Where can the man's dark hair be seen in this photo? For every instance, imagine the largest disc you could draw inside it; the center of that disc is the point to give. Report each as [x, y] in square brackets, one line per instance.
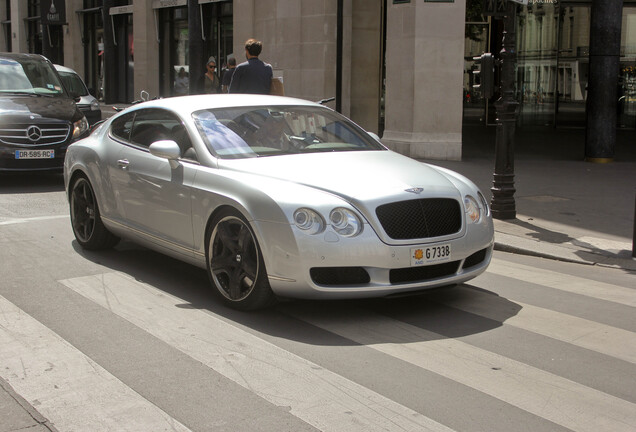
[254, 47]
[231, 61]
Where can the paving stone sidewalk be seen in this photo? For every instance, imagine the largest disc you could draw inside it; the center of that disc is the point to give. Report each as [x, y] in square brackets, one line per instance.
[567, 209]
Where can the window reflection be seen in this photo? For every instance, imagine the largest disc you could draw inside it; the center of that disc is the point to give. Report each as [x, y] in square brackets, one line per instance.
[553, 64]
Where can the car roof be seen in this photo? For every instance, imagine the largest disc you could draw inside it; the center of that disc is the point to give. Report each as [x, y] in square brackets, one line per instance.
[22, 56]
[61, 68]
[201, 102]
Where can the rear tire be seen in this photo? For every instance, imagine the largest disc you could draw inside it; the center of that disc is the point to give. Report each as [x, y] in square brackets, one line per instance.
[86, 221]
[235, 263]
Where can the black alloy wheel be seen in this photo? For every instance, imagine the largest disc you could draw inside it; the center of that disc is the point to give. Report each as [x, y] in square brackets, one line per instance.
[235, 265]
[87, 224]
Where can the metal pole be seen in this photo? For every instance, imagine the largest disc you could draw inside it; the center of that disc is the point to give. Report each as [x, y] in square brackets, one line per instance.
[339, 41]
[503, 189]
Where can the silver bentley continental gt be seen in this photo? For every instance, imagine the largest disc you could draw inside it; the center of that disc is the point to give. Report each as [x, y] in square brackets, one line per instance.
[275, 197]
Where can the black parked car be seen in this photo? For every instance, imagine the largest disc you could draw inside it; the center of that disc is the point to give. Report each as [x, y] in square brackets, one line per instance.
[38, 117]
[87, 104]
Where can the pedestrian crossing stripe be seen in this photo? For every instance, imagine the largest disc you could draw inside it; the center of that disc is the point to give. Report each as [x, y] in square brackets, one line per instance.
[564, 282]
[319, 397]
[323, 399]
[546, 395]
[587, 334]
[13, 221]
[284, 379]
[66, 386]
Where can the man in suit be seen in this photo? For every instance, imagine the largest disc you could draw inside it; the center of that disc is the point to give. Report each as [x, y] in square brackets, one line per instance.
[253, 76]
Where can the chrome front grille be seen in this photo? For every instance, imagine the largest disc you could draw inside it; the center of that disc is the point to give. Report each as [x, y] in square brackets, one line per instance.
[420, 218]
[34, 134]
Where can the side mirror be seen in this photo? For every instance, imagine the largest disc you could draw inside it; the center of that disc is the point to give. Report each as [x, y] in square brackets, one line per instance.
[95, 126]
[166, 149]
[76, 97]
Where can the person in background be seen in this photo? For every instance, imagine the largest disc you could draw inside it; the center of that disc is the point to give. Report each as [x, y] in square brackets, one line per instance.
[252, 76]
[227, 75]
[181, 83]
[211, 82]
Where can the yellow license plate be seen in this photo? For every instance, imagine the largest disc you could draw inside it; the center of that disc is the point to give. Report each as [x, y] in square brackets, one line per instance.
[430, 254]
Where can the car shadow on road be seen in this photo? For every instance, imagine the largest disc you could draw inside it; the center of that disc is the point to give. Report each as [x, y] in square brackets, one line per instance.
[431, 315]
[15, 183]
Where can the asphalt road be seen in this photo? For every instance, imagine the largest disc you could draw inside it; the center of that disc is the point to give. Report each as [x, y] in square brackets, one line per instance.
[131, 340]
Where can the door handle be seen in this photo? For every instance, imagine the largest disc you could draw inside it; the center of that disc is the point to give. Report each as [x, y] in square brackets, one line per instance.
[123, 163]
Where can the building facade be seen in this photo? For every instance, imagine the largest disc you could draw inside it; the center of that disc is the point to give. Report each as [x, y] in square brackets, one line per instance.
[399, 68]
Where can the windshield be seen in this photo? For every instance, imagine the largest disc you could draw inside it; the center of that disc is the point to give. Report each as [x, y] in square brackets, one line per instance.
[73, 83]
[244, 132]
[30, 76]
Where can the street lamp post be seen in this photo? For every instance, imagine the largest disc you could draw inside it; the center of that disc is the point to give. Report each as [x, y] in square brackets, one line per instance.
[503, 189]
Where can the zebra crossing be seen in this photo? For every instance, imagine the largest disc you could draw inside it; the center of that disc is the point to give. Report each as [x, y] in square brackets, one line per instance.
[489, 361]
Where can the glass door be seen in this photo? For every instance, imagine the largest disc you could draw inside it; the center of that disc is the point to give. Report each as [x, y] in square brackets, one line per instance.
[174, 52]
[477, 41]
[93, 41]
[219, 33]
[626, 108]
[537, 41]
[573, 65]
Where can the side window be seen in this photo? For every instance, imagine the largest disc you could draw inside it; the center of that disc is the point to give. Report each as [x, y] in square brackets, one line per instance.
[122, 126]
[156, 124]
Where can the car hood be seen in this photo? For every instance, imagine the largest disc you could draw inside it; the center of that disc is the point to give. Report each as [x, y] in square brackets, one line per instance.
[354, 176]
[38, 107]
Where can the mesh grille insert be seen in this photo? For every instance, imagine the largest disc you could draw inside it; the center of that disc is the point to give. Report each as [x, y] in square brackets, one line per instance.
[424, 273]
[420, 218]
[339, 275]
[476, 258]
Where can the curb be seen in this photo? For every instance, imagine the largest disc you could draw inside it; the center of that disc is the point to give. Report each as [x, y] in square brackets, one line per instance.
[513, 244]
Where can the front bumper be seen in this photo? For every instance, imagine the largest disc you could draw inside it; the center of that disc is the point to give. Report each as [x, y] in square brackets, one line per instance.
[9, 163]
[327, 266]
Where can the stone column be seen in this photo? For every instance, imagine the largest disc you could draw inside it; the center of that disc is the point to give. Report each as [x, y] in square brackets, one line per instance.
[19, 12]
[73, 48]
[366, 63]
[424, 79]
[146, 74]
[244, 28]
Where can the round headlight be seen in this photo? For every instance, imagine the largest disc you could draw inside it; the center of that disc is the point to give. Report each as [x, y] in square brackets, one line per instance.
[309, 221]
[472, 209]
[345, 222]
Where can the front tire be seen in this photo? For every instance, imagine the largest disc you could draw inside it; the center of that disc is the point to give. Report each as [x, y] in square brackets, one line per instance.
[235, 263]
[86, 221]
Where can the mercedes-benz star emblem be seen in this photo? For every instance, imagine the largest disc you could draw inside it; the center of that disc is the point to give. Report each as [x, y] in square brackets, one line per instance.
[34, 133]
[415, 190]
